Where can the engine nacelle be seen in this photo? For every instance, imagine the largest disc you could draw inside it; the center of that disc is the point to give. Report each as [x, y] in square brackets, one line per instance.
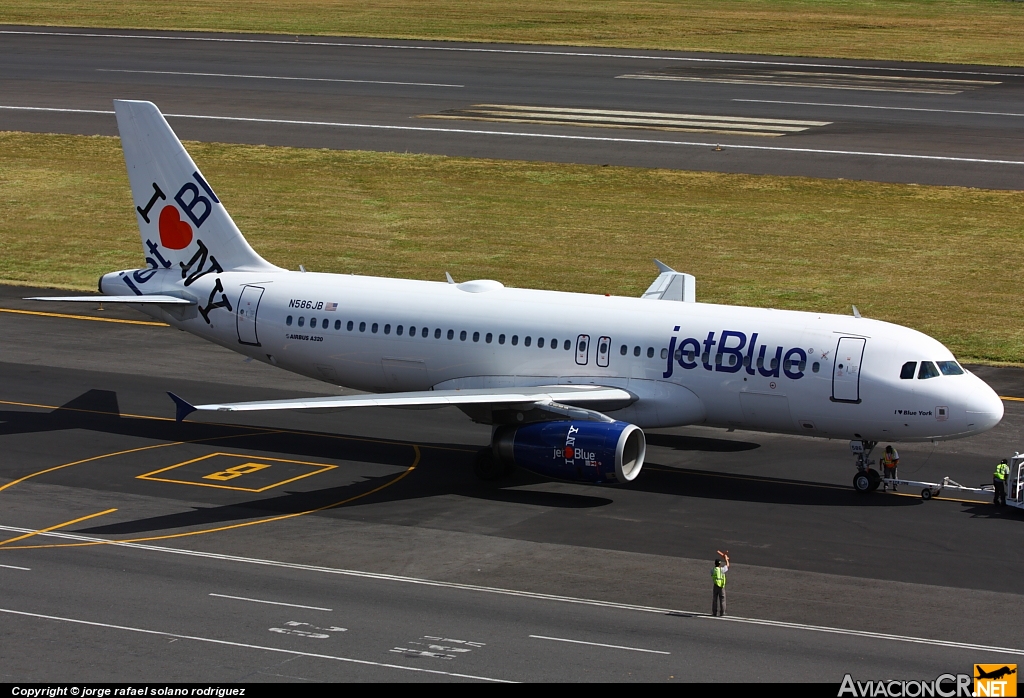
[581, 451]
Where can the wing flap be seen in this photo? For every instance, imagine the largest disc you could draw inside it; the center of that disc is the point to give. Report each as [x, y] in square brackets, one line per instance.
[552, 394]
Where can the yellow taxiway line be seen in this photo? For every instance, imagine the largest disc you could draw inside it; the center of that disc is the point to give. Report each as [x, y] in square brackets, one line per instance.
[55, 527]
[84, 317]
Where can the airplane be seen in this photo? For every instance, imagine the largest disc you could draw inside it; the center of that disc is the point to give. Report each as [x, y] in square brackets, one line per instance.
[568, 381]
[995, 674]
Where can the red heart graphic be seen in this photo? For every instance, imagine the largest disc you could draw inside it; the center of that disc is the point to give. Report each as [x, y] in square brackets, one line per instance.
[175, 233]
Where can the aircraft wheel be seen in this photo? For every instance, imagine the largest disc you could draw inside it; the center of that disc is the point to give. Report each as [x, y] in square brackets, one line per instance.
[875, 478]
[926, 494]
[862, 482]
[486, 467]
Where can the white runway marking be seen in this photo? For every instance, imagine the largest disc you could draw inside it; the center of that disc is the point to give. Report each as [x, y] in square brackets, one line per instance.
[598, 644]
[272, 603]
[553, 136]
[245, 645]
[825, 81]
[868, 106]
[608, 118]
[516, 593]
[15, 567]
[274, 77]
[528, 52]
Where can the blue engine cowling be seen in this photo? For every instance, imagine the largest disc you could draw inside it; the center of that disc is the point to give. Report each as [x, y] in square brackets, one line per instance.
[581, 451]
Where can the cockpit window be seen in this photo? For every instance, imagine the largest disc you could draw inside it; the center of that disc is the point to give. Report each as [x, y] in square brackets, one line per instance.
[908, 370]
[950, 368]
[928, 370]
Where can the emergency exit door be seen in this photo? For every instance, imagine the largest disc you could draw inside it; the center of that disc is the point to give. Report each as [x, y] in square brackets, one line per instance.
[846, 369]
[245, 318]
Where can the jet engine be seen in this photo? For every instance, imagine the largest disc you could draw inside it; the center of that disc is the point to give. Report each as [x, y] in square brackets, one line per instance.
[595, 452]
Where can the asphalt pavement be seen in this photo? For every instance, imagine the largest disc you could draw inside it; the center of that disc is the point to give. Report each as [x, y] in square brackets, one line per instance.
[884, 121]
[372, 521]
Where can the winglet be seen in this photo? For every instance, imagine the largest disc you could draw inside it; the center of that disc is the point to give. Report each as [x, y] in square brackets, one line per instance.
[662, 267]
[182, 408]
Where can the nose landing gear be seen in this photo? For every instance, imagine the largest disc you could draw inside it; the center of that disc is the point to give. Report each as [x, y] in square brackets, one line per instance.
[867, 479]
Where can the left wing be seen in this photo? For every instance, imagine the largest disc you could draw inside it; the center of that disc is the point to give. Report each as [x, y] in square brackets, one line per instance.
[558, 399]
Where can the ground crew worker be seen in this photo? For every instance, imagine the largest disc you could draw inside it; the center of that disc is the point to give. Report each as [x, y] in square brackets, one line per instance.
[999, 480]
[889, 462]
[718, 588]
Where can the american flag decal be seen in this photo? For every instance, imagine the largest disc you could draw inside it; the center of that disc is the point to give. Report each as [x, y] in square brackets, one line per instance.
[330, 307]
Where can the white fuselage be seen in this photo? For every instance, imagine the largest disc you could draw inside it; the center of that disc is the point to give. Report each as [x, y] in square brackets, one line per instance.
[832, 376]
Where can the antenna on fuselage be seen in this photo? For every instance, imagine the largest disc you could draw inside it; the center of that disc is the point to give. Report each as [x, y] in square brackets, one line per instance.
[856, 313]
[449, 277]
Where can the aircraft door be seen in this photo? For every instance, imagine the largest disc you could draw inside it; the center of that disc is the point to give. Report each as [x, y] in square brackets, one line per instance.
[604, 348]
[245, 318]
[846, 369]
[583, 349]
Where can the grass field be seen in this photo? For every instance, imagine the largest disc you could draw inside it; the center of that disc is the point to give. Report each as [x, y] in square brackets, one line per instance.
[960, 31]
[943, 260]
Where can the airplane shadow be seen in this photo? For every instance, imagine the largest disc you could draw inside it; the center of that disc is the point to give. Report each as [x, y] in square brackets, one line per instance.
[444, 469]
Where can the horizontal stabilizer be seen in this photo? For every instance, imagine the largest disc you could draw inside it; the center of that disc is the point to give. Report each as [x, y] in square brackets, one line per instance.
[155, 299]
[182, 408]
[564, 394]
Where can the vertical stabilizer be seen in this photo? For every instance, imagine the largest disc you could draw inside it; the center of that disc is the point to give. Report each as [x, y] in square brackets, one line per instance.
[180, 219]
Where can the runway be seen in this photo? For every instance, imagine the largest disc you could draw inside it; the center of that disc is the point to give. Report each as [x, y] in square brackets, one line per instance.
[358, 545]
[918, 123]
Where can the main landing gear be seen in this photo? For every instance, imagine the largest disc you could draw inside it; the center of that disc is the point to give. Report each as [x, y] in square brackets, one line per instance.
[867, 478]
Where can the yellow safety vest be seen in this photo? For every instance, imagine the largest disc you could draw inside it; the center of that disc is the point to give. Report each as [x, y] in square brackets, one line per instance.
[719, 576]
[1002, 470]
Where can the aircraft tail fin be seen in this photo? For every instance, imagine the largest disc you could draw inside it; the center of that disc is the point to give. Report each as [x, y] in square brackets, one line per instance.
[180, 219]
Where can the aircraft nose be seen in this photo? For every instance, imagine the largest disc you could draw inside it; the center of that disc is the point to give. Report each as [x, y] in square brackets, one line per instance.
[984, 407]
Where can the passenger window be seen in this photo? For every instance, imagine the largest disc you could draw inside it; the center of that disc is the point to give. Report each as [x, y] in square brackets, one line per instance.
[664, 353]
[554, 343]
[437, 333]
[650, 352]
[476, 336]
[636, 351]
[526, 342]
[462, 335]
[718, 360]
[398, 330]
[908, 370]
[501, 339]
[425, 332]
[623, 349]
[373, 328]
[540, 342]
[775, 364]
[815, 366]
[927, 370]
[515, 339]
[362, 327]
[489, 337]
[312, 322]
[387, 329]
[302, 321]
[337, 324]
[288, 321]
[325, 323]
[349, 326]
[451, 334]
[950, 368]
[567, 345]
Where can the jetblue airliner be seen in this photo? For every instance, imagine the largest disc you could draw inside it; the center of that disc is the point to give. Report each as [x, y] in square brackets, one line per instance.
[567, 380]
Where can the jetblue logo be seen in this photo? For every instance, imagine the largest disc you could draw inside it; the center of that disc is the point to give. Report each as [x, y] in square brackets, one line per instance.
[734, 354]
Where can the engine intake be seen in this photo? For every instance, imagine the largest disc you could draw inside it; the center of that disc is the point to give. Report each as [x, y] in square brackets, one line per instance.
[595, 452]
